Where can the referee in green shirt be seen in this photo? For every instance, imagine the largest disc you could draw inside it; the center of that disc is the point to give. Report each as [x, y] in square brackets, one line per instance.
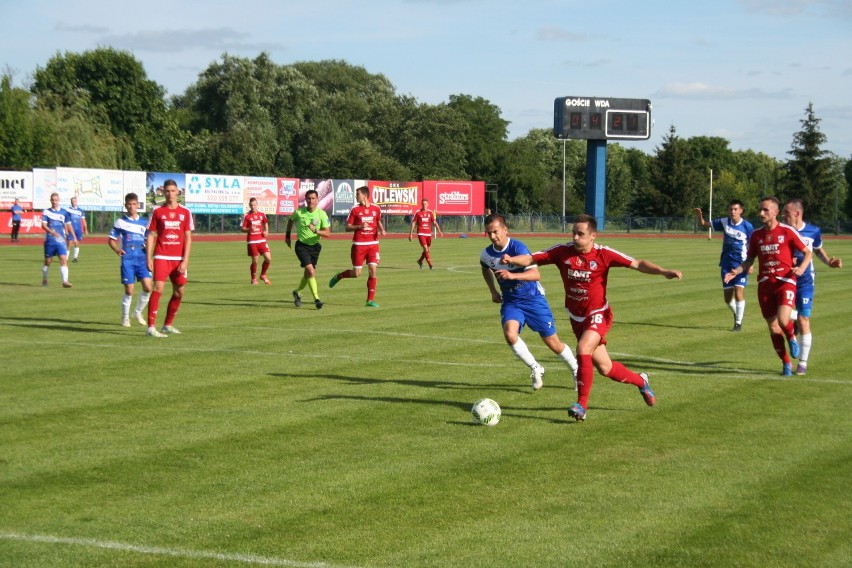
[311, 224]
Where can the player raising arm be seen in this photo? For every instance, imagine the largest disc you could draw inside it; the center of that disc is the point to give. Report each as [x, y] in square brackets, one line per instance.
[584, 267]
[773, 246]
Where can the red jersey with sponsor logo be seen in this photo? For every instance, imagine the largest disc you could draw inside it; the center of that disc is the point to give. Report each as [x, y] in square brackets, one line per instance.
[774, 252]
[170, 226]
[424, 220]
[584, 275]
[371, 215]
[255, 222]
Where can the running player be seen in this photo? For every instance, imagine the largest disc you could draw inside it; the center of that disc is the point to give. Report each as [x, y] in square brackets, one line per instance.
[793, 214]
[168, 247]
[127, 239]
[56, 223]
[521, 298]
[737, 231]
[256, 225]
[423, 221]
[773, 245]
[365, 222]
[78, 225]
[584, 267]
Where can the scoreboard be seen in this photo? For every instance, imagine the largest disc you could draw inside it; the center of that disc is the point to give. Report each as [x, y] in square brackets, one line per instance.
[601, 118]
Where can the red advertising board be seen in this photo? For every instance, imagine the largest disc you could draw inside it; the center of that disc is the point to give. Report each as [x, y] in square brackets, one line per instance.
[30, 223]
[455, 197]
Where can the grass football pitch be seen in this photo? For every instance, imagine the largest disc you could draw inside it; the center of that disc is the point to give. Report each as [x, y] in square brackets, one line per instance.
[275, 436]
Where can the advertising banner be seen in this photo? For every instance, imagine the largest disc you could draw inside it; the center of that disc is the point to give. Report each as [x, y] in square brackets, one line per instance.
[265, 190]
[44, 183]
[95, 190]
[154, 182]
[288, 195]
[16, 185]
[30, 223]
[324, 188]
[455, 197]
[344, 195]
[396, 197]
[207, 193]
[135, 182]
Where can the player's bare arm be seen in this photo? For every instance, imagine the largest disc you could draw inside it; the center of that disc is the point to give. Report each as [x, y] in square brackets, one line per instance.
[488, 276]
[700, 216]
[736, 271]
[800, 268]
[187, 247]
[830, 261]
[529, 275]
[520, 260]
[647, 267]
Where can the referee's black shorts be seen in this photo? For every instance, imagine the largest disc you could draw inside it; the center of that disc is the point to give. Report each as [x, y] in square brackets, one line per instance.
[307, 254]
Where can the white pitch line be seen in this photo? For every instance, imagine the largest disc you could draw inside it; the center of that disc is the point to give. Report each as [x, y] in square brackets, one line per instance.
[174, 552]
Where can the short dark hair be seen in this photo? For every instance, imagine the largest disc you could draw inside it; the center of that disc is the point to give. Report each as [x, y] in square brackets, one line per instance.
[773, 200]
[131, 197]
[169, 182]
[736, 202]
[363, 189]
[315, 192]
[590, 220]
[495, 217]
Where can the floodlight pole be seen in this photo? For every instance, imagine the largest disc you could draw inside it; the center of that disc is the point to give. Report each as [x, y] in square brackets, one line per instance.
[563, 185]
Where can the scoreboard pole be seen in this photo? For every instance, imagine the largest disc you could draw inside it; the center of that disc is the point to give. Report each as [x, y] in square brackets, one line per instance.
[596, 181]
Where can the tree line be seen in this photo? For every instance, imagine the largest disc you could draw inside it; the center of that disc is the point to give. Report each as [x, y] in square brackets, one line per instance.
[98, 109]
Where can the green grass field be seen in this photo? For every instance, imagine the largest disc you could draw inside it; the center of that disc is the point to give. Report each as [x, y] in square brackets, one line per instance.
[276, 436]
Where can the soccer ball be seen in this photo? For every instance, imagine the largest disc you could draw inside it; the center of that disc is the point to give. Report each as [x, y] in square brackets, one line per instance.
[486, 412]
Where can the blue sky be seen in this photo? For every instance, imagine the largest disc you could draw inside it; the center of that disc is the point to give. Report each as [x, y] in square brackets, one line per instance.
[744, 70]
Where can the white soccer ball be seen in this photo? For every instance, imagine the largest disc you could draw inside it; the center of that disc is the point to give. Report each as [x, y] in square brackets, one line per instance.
[486, 412]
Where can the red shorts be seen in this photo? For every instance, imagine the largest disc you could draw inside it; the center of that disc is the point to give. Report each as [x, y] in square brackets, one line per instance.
[425, 241]
[599, 322]
[164, 269]
[361, 253]
[257, 249]
[771, 294]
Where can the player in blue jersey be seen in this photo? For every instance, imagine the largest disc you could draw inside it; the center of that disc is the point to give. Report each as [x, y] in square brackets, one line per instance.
[737, 231]
[78, 225]
[127, 239]
[521, 298]
[56, 223]
[793, 214]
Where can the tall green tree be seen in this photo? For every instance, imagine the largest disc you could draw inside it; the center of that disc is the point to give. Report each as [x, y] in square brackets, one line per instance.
[677, 184]
[808, 171]
[485, 137]
[115, 84]
[16, 126]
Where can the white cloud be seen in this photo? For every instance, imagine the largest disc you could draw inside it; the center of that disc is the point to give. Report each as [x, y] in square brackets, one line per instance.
[704, 91]
[555, 33]
[181, 40]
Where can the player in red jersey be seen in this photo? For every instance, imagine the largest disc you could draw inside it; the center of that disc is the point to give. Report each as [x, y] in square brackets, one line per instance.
[256, 225]
[584, 267]
[423, 221]
[168, 247]
[772, 246]
[365, 222]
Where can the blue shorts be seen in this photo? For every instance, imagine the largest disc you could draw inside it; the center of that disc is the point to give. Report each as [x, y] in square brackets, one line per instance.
[133, 269]
[52, 249]
[741, 279]
[78, 233]
[805, 298]
[536, 314]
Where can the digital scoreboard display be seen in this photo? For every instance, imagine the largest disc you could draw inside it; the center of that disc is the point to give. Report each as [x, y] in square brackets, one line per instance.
[601, 118]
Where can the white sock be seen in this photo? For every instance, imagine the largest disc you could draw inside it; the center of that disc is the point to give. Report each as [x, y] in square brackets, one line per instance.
[794, 315]
[76, 252]
[125, 305]
[569, 358]
[805, 343]
[44, 270]
[522, 352]
[733, 307]
[739, 311]
[63, 271]
[143, 301]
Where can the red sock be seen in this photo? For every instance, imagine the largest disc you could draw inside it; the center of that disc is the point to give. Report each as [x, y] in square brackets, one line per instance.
[174, 304]
[345, 274]
[428, 258]
[253, 270]
[264, 267]
[622, 374]
[153, 306]
[780, 347]
[371, 289]
[585, 376]
[789, 330]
